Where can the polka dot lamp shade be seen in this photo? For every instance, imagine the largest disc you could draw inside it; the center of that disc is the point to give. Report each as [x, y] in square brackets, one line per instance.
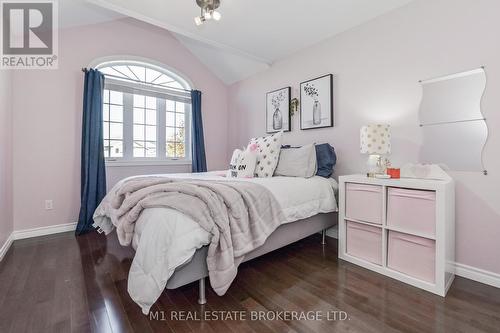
[375, 139]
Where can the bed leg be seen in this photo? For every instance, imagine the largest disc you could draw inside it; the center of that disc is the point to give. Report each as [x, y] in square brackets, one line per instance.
[201, 296]
[323, 235]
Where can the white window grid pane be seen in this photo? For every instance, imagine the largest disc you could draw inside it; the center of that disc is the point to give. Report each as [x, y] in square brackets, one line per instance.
[150, 103]
[150, 147]
[150, 133]
[139, 132]
[115, 131]
[170, 134]
[179, 107]
[139, 116]
[106, 148]
[151, 117]
[116, 113]
[174, 84]
[179, 119]
[170, 105]
[105, 130]
[139, 101]
[175, 129]
[105, 112]
[139, 149]
[115, 97]
[139, 72]
[113, 123]
[152, 75]
[171, 149]
[116, 148]
[113, 148]
[175, 149]
[144, 127]
[170, 119]
[179, 149]
[180, 134]
[105, 96]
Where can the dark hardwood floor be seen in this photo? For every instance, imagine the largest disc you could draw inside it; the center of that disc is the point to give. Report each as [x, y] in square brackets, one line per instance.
[65, 284]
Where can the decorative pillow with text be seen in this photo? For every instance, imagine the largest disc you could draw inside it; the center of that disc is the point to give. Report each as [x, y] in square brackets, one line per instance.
[243, 163]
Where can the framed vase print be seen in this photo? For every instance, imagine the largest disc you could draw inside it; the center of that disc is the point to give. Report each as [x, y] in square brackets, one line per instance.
[278, 110]
[316, 103]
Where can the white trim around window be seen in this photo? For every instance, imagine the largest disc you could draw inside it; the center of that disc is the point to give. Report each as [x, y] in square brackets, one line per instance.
[103, 61]
[145, 123]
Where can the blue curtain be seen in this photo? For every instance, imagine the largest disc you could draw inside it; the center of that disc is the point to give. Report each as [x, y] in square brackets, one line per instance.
[93, 173]
[197, 142]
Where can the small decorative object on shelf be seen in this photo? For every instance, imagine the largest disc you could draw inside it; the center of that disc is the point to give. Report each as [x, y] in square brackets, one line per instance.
[394, 173]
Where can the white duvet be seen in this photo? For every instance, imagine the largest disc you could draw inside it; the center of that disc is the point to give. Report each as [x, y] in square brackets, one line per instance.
[165, 239]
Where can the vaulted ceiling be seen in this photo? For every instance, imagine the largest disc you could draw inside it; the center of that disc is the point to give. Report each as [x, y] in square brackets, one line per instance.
[73, 13]
[252, 34]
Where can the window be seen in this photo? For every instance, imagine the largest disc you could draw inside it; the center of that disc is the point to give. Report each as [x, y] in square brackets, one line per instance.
[146, 113]
[113, 123]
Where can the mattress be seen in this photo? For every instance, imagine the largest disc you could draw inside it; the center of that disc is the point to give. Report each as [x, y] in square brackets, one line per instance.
[299, 198]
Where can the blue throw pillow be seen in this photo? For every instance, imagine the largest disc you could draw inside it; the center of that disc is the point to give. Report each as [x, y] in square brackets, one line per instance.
[325, 159]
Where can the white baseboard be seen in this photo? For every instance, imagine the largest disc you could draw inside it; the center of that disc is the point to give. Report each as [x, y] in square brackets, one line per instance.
[42, 231]
[6, 246]
[35, 232]
[477, 274]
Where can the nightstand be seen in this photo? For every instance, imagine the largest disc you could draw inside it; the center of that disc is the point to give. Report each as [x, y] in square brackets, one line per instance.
[401, 228]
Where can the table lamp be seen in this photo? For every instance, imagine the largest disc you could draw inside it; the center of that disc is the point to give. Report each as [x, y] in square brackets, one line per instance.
[375, 140]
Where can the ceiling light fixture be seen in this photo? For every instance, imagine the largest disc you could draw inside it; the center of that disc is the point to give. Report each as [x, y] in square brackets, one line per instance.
[208, 11]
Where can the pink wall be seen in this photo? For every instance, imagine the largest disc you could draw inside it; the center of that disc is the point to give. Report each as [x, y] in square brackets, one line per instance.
[6, 221]
[47, 117]
[377, 67]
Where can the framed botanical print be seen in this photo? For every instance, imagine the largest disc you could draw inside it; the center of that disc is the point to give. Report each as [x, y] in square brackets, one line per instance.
[316, 103]
[278, 110]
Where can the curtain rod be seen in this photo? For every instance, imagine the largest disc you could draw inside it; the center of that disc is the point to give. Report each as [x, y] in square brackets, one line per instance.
[138, 81]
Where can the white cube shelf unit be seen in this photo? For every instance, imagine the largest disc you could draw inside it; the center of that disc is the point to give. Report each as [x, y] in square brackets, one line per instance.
[401, 228]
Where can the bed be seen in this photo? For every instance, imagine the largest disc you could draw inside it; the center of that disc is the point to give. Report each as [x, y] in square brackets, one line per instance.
[166, 236]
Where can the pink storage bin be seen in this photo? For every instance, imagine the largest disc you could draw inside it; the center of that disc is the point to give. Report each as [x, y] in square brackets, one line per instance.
[412, 210]
[364, 202]
[412, 255]
[364, 242]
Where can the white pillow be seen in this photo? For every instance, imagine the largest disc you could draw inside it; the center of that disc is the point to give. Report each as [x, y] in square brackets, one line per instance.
[242, 163]
[297, 162]
[268, 152]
